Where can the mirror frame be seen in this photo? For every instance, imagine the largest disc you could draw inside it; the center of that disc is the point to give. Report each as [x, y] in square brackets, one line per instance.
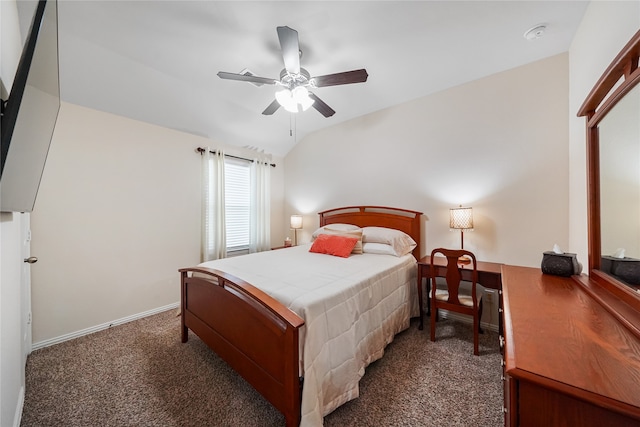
[619, 78]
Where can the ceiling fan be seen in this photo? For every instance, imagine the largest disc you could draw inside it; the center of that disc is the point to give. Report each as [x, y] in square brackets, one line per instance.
[296, 81]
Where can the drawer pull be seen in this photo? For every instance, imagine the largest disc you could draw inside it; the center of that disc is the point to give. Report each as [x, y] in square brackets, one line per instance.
[504, 410]
[502, 362]
[501, 341]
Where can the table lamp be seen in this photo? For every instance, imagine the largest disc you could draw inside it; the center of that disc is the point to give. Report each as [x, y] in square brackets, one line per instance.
[461, 219]
[296, 224]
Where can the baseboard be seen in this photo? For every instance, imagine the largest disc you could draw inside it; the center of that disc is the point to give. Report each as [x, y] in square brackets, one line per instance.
[67, 337]
[467, 319]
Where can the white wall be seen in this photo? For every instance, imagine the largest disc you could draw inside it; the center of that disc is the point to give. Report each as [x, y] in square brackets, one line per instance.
[605, 28]
[12, 353]
[498, 144]
[117, 214]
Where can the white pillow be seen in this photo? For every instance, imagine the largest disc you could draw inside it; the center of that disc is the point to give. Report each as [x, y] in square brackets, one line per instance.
[401, 242]
[335, 227]
[347, 230]
[378, 248]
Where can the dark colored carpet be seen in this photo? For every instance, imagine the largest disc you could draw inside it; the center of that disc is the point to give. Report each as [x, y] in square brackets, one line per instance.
[140, 374]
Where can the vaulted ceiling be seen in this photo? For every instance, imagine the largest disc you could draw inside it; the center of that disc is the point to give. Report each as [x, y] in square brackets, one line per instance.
[156, 61]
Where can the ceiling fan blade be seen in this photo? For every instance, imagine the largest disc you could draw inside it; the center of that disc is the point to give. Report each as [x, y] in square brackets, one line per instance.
[272, 108]
[246, 78]
[290, 49]
[347, 77]
[320, 105]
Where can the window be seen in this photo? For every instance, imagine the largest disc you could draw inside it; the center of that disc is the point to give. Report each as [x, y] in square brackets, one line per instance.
[237, 189]
[235, 205]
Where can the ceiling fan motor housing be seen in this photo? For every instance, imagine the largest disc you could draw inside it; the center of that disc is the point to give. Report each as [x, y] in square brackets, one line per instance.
[291, 81]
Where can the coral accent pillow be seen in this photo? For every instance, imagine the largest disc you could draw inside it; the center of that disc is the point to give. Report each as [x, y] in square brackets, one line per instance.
[333, 244]
[357, 249]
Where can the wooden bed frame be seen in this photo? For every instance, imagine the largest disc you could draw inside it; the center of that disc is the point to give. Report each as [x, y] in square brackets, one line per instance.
[254, 333]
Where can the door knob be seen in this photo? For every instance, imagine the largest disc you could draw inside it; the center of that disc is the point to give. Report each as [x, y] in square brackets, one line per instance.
[31, 260]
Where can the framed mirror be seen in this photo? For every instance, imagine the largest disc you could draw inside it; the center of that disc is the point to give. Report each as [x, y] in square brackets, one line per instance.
[612, 111]
[619, 134]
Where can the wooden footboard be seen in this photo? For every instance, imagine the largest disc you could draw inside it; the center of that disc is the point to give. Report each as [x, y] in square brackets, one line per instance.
[255, 334]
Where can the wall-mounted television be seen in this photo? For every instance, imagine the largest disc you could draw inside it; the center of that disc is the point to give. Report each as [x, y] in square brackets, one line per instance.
[29, 115]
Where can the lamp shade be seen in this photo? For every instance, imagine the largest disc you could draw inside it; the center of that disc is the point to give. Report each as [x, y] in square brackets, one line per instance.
[461, 218]
[296, 221]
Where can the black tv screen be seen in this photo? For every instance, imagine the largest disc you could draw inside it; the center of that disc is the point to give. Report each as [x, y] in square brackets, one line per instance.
[29, 115]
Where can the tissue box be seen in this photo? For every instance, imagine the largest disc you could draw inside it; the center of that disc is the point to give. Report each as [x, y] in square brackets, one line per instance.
[625, 269]
[560, 264]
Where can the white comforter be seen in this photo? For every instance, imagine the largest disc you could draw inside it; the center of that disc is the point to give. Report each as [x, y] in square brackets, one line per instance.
[352, 308]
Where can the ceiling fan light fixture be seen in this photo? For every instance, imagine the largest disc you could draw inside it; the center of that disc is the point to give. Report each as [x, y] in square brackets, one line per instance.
[285, 98]
[301, 96]
[295, 100]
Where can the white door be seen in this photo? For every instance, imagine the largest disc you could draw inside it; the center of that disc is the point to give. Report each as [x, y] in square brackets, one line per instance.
[25, 283]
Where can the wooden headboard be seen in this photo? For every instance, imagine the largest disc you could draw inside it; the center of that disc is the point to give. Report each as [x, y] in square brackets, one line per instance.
[377, 216]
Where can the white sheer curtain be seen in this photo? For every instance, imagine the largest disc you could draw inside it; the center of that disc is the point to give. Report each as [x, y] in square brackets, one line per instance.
[214, 242]
[260, 230]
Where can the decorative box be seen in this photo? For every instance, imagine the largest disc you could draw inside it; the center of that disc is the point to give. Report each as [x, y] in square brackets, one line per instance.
[565, 264]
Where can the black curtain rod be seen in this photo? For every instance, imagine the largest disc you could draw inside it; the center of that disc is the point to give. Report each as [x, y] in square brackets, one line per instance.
[202, 150]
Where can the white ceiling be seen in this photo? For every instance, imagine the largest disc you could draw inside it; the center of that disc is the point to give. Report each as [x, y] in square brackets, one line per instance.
[156, 61]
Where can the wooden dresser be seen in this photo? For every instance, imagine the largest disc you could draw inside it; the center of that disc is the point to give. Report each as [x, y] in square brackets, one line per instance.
[567, 360]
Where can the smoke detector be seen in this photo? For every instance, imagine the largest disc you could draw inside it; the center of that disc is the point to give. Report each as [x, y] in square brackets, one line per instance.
[535, 32]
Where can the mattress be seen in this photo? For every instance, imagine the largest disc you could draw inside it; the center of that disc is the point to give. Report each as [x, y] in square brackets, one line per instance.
[352, 308]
